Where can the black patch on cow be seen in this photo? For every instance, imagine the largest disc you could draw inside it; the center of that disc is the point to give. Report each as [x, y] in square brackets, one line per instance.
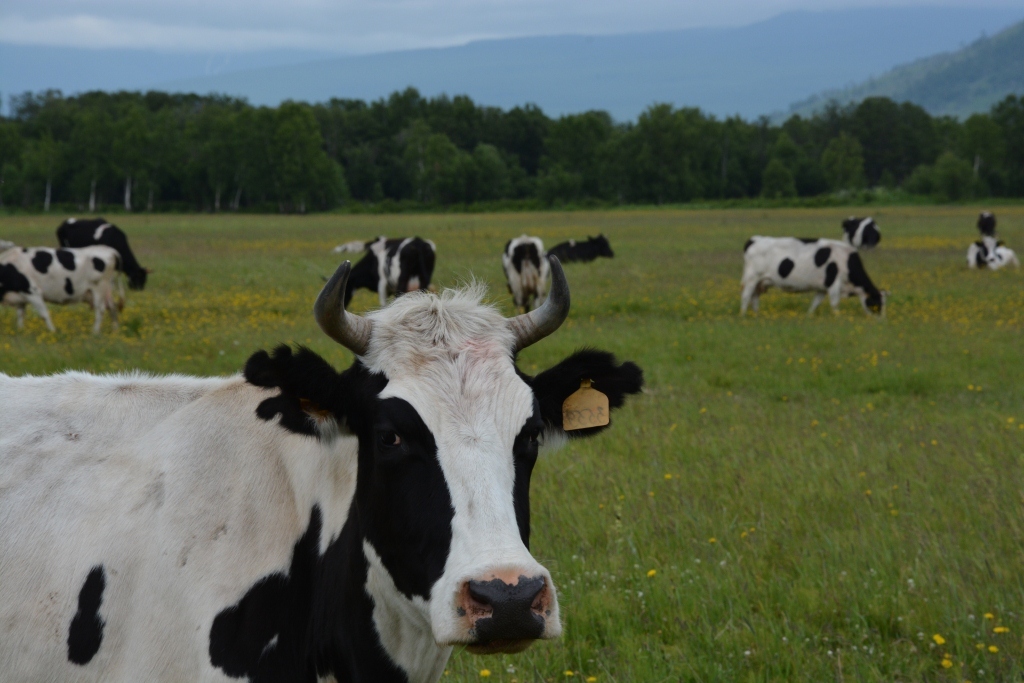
[987, 224]
[747, 245]
[555, 384]
[99, 264]
[13, 280]
[981, 255]
[821, 256]
[80, 233]
[584, 251]
[870, 236]
[527, 251]
[786, 267]
[859, 278]
[364, 275]
[278, 606]
[41, 261]
[809, 240]
[830, 274]
[66, 258]
[68, 287]
[415, 260]
[85, 635]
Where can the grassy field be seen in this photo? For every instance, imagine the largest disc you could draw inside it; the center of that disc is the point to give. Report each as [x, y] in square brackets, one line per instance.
[829, 499]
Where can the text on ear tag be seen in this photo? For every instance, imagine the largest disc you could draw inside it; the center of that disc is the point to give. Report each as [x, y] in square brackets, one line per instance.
[585, 407]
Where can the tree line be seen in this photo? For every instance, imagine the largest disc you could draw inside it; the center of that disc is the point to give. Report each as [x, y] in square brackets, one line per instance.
[160, 151]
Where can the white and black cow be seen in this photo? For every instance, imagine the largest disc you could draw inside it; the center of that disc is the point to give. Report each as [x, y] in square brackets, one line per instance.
[34, 276]
[793, 264]
[86, 232]
[294, 524]
[526, 271]
[583, 252]
[861, 233]
[989, 252]
[391, 266]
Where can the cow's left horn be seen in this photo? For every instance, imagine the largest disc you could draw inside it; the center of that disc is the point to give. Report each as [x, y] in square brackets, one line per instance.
[530, 328]
[349, 330]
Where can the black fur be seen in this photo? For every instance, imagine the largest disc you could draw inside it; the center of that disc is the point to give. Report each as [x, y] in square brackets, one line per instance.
[869, 237]
[525, 252]
[416, 259]
[80, 234]
[12, 280]
[786, 267]
[68, 287]
[831, 272]
[859, 278]
[583, 252]
[66, 258]
[822, 255]
[41, 260]
[747, 245]
[987, 224]
[85, 634]
[98, 264]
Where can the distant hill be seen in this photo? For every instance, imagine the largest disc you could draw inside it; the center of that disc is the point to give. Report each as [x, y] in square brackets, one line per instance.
[750, 70]
[957, 83]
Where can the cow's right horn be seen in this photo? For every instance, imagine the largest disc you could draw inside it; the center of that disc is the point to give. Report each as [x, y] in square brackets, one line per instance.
[530, 328]
[349, 330]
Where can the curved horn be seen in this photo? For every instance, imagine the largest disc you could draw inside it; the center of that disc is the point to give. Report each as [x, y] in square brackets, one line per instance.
[530, 328]
[349, 330]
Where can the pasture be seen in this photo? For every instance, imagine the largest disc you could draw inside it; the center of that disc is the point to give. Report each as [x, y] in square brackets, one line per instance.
[791, 499]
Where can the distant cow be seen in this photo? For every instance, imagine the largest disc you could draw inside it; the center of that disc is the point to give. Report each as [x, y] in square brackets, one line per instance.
[526, 270]
[861, 233]
[391, 266]
[823, 266]
[86, 232]
[33, 276]
[584, 252]
[989, 252]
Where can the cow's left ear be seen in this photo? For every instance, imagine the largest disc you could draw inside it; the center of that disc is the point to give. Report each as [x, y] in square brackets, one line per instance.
[556, 384]
[308, 388]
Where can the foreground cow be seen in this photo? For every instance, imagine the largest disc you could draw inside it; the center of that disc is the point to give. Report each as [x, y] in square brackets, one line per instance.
[861, 233]
[295, 524]
[989, 252]
[583, 252]
[526, 271]
[391, 267]
[87, 232]
[796, 265]
[32, 277]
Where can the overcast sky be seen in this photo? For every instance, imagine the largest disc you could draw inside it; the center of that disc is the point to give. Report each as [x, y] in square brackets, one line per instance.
[360, 26]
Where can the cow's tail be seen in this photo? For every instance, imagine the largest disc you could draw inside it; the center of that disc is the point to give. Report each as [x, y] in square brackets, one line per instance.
[529, 277]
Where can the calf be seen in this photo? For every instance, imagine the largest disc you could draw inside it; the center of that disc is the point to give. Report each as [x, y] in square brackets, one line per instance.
[391, 266]
[296, 523]
[89, 231]
[526, 270]
[861, 233]
[583, 252]
[989, 252]
[60, 276]
[822, 266]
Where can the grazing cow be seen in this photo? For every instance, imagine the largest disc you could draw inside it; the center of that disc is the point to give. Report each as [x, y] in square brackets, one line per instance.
[799, 265]
[296, 523]
[583, 252]
[989, 252]
[33, 276]
[395, 266]
[526, 270]
[89, 231]
[861, 233]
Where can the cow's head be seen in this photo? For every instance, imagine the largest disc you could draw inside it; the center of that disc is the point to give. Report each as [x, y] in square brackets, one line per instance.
[987, 224]
[449, 431]
[603, 247]
[862, 233]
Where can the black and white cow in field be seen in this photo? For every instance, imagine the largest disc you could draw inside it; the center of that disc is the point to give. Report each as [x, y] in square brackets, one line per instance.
[295, 523]
[526, 271]
[583, 252]
[391, 266]
[34, 276]
[989, 252]
[861, 233]
[826, 267]
[86, 232]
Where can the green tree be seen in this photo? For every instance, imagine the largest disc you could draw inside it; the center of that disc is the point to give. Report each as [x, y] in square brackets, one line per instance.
[91, 140]
[777, 181]
[44, 158]
[843, 163]
[131, 140]
[302, 171]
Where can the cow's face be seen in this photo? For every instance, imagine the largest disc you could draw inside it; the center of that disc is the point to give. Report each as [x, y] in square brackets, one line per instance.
[448, 434]
[603, 247]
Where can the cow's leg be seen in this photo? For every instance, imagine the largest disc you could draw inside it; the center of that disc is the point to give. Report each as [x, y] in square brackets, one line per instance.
[21, 316]
[818, 298]
[39, 305]
[749, 293]
[382, 291]
[835, 295]
[113, 308]
[98, 304]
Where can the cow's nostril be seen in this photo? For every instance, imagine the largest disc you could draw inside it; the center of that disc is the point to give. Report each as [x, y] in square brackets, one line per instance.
[508, 611]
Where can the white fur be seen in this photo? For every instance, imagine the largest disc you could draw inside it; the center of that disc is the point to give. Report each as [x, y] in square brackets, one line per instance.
[88, 283]
[761, 271]
[354, 247]
[996, 255]
[389, 270]
[531, 284]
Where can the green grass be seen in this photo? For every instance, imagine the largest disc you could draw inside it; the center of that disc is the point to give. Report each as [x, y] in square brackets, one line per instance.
[765, 434]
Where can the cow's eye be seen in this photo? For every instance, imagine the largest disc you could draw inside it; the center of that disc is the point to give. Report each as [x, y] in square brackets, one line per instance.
[389, 439]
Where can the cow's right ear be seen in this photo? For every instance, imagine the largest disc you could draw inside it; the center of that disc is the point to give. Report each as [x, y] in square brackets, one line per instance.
[310, 389]
[553, 386]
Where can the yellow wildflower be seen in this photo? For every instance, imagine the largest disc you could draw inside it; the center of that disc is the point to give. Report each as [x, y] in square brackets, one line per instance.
[939, 640]
[591, 679]
[667, 476]
[568, 674]
[946, 663]
[484, 673]
[1000, 629]
[868, 492]
[989, 615]
[993, 649]
[712, 540]
[651, 573]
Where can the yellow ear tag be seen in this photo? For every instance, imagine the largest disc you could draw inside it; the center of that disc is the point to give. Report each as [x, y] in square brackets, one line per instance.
[585, 407]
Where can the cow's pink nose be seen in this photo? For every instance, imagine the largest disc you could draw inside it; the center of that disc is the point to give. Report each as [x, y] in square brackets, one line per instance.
[505, 616]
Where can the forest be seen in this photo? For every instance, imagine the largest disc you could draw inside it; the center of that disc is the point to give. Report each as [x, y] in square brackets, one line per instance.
[158, 151]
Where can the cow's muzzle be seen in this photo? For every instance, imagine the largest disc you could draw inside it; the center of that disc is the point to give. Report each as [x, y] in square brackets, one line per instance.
[505, 617]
